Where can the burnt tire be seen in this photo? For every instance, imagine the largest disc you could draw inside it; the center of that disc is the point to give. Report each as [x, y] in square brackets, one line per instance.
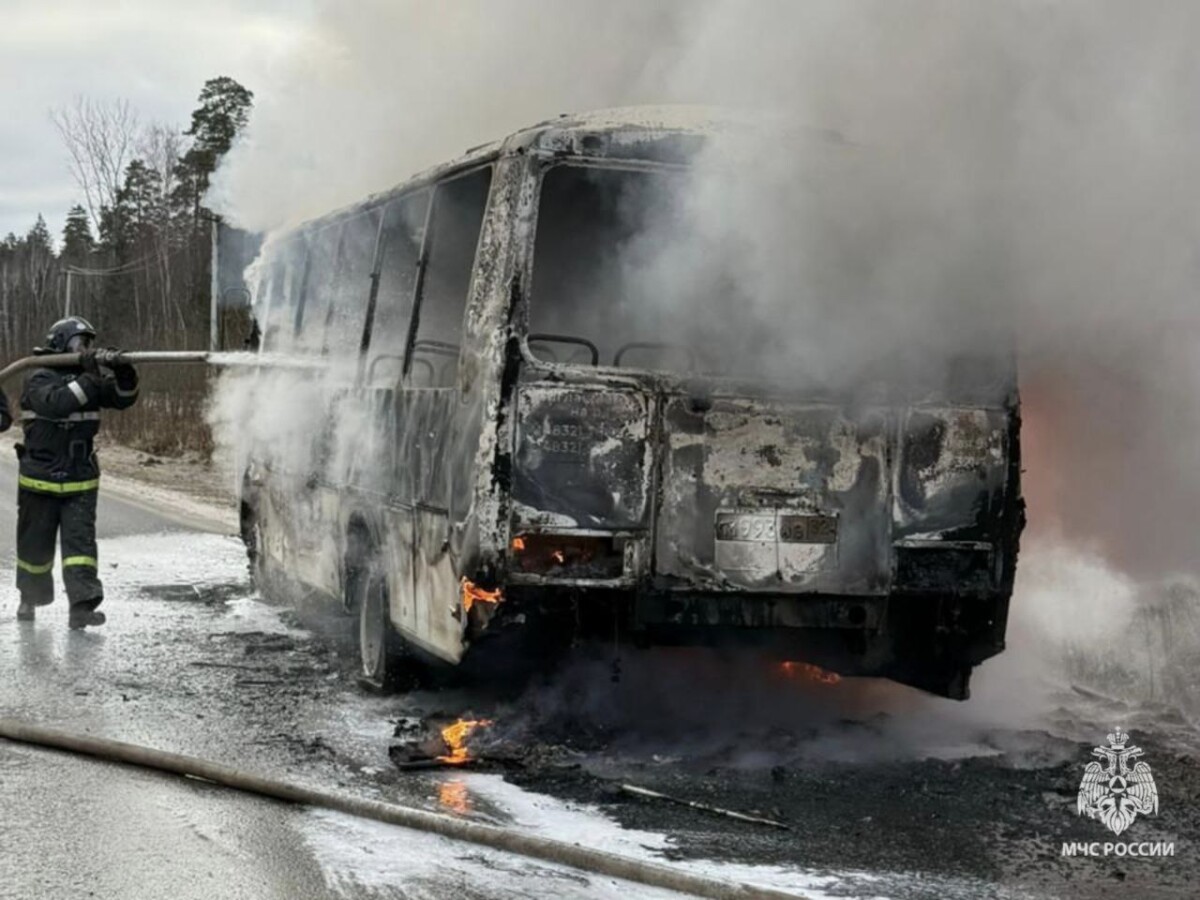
[375, 668]
[383, 664]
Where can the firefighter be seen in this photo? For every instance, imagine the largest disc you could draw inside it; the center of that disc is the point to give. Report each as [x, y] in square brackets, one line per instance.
[59, 477]
[5, 415]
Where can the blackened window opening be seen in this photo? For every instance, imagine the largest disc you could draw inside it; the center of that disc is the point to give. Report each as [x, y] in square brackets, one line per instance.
[602, 280]
[399, 258]
[455, 223]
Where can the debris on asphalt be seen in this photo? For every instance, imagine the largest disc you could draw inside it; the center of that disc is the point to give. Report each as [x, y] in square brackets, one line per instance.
[716, 810]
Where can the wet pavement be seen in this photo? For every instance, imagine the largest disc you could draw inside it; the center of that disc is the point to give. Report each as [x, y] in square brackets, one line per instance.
[887, 793]
[191, 662]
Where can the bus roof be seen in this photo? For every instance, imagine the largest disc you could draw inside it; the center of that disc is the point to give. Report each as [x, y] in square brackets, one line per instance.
[666, 133]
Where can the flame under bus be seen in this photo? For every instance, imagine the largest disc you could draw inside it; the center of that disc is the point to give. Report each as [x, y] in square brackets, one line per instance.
[541, 440]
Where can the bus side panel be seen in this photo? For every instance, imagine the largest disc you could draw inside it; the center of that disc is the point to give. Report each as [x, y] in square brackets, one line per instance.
[429, 420]
[327, 567]
[397, 553]
[478, 486]
[272, 536]
[439, 619]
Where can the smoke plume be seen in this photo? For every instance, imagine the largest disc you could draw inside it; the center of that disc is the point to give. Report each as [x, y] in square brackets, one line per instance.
[1029, 160]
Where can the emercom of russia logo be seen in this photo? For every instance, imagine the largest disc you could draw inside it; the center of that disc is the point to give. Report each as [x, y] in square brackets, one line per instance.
[1115, 791]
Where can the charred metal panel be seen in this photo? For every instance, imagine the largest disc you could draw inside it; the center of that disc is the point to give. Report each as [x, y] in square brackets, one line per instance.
[733, 611]
[293, 534]
[399, 557]
[479, 470]
[773, 497]
[581, 457]
[439, 619]
[426, 418]
[957, 508]
[951, 474]
[961, 568]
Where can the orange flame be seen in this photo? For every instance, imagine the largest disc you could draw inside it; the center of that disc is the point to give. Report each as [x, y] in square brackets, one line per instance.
[454, 796]
[518, 543]
[455, 735]
[809, 672]
[559, 557]
[473, 593]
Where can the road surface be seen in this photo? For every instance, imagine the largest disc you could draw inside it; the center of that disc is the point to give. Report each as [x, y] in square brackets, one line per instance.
[888, 793]
[191, 662]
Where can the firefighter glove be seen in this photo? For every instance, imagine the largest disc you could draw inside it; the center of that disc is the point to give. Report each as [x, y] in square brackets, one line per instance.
[89, 362]
[126, 375]
[108, 356]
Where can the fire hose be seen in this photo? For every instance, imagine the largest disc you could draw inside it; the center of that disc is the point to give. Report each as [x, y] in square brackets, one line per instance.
[165, 357]
[506, 840]
[66, 360]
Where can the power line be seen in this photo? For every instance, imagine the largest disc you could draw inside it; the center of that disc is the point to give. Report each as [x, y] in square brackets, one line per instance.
[122, 269]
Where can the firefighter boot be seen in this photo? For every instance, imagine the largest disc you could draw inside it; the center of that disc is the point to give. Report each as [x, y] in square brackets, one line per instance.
[83, 616]
[25, 611]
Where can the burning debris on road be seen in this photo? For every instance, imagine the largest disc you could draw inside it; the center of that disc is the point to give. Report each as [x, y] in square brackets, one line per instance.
[426, 744]
[793, 669]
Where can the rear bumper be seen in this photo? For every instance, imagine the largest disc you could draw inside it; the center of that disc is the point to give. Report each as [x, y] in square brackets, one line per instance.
[621, 561]
[743, 610]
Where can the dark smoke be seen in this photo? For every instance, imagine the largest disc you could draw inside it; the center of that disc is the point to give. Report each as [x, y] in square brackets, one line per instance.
[1031, 158]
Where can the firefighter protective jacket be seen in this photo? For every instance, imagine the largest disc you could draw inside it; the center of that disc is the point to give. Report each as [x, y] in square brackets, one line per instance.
[60, 412]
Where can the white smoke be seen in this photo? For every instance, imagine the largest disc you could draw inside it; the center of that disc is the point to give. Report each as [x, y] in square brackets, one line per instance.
[1036, 155]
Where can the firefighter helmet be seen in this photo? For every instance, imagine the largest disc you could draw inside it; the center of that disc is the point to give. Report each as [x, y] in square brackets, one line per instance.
[63, 330]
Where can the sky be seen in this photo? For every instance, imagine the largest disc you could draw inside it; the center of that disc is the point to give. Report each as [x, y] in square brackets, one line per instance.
[156, 54]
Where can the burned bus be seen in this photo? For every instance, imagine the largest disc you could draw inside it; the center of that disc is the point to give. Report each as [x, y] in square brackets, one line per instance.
[506, 440]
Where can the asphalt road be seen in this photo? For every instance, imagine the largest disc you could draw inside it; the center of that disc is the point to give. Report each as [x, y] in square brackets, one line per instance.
[74, 827]
[191, 662]
[889, 793]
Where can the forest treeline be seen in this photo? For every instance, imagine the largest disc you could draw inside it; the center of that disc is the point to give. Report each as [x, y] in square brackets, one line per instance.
[134, 255]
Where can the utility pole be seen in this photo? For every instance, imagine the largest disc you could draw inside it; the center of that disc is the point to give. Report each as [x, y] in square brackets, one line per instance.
[67, 302]
[214, 287]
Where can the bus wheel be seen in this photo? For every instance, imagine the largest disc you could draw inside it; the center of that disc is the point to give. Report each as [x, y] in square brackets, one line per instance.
[380, 660]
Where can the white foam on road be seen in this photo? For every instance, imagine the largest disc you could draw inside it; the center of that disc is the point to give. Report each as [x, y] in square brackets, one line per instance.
[575, 823]
[356, 854]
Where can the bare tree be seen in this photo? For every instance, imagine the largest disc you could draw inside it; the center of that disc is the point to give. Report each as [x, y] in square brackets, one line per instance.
[160, 148]
[101, 138]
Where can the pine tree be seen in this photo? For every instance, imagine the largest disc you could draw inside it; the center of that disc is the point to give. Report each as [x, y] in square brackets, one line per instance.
[77, 241]
[39, 261]
[38, 238]
[141, 198]
[224, 110]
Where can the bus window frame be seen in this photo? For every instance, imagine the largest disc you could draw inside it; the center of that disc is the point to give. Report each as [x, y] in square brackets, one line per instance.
[414, 323]
[340, 272]
[531, 360]
[364, 341]
[281, 276]
[311, 236]
[377, 273]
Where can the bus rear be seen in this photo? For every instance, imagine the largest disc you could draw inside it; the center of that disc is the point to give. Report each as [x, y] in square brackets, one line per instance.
[676, 468]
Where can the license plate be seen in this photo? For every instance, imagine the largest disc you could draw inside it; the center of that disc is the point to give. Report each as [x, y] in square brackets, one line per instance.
[798, 529]
[745, 527]
[784, 528]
